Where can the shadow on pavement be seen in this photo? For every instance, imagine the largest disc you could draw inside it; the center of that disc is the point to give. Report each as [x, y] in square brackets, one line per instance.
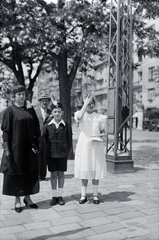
[46, 203]
[117, 196]
[62, 234]
[139, 168]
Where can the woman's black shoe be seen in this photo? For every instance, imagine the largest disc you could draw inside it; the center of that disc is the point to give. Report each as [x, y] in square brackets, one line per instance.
[18, 209]
[30, 205]
[96, 200]
[83, 200]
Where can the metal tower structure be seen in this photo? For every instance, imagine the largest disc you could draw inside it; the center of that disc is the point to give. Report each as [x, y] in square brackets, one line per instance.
[119, 123]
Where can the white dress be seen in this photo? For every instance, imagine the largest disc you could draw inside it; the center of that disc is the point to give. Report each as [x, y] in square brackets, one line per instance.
[90, 160]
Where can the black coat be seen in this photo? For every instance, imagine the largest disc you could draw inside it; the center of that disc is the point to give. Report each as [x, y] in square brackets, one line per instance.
[59, 141]
[21, 126]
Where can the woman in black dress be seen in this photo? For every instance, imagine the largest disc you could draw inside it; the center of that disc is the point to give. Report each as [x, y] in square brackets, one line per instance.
[19, 165]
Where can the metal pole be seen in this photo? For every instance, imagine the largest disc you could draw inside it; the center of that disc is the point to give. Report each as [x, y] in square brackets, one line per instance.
[119, 145]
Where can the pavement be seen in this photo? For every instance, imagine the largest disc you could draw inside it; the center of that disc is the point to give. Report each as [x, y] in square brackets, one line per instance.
[129, 207]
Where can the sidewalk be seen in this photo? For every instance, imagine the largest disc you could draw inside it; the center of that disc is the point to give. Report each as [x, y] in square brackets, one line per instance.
[129, 209]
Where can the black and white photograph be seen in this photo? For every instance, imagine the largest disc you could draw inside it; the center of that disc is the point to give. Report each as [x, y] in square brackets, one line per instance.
[79, 119]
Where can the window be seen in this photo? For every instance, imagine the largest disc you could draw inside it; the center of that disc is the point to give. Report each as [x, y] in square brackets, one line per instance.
[140, 54]
[138, 96]
[151, 94]
[140, 58]
[139, 77]
[151, 73]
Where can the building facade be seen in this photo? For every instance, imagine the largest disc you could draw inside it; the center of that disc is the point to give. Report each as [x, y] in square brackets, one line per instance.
[146, 83]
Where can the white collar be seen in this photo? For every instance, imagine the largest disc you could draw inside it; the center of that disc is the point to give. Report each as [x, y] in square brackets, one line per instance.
[57, 124]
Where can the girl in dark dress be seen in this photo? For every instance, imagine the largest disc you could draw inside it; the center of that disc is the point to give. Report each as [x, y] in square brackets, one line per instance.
[21, 135]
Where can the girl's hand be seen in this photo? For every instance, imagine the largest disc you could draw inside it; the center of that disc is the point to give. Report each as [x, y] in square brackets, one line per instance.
[88, 99]
[103, 136]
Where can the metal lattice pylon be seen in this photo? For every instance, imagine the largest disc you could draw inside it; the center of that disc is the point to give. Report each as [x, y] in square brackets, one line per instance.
[119, 124]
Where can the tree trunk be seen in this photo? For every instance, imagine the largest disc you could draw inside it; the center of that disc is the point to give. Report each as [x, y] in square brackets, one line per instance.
[65, 91]
[29, 95]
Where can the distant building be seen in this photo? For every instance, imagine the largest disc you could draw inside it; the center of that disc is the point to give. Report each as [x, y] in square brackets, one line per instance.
[48, 83]
[146, 83]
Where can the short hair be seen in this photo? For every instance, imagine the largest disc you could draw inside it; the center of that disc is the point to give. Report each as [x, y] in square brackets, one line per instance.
[57, 105]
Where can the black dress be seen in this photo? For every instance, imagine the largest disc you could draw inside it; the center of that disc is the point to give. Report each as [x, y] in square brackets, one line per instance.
[20, 128]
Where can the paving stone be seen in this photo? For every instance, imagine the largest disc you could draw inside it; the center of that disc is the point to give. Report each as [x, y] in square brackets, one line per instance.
[42, 212]
[115, 211]
[98, 221]
[88, 209]
[154, 236]
[69, 213]
[65, 228]
[14, 215]
[46, 217]
[2, 217]
[37, 225]
[66, 220]
[114, 218]
[80, 234]
[131, 214]
[150, 211]
[108, 236]
[141, 238]
[126, 186]
[93, 215]
[134, 202]
[4, 212]
[153, 218]
[10, 230]
[134, 222]
[67, 207]
[17, 221]
[1, 224]
[8, 237]
[108, 227]
[41, 234]
[153, 227]
[133, 232]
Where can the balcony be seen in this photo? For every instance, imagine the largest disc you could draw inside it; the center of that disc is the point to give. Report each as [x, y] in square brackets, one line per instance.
[137, 85]
[101, 91]
[78, 89]
[151, 79]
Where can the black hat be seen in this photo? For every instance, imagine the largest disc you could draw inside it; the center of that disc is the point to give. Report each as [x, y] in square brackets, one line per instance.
[18, 88]
[57, 105]
[44, 96]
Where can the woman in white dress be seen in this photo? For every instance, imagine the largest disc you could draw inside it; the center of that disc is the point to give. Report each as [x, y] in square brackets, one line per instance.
[90, 162]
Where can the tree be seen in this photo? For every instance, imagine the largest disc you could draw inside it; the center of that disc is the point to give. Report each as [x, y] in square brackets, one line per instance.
[80, 31]
[147, 38]
[23, 39]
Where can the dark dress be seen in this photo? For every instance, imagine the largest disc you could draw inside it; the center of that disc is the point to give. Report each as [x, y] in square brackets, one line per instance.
[20, 128]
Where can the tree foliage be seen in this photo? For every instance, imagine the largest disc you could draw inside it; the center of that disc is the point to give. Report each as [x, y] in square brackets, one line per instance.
[22, 38]
[147, 38]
